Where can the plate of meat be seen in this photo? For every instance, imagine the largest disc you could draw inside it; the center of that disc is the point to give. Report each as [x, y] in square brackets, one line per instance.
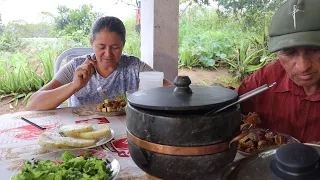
[259, 139]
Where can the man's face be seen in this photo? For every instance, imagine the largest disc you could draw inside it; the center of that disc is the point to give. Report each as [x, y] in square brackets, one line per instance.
[302, 64]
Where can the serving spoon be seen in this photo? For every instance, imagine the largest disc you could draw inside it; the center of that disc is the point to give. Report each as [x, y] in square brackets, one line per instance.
[243, 98]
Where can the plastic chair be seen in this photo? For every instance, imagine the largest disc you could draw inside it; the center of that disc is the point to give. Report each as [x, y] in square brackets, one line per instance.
[68, 55]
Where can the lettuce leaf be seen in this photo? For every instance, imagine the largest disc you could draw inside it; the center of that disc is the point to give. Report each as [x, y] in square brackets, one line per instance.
[72, 168]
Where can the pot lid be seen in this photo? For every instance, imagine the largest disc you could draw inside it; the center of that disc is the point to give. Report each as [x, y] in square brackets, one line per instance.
[291, 161]
[296, 161]
[182, 96]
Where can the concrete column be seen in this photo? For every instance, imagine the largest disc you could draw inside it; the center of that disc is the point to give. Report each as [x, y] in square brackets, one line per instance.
[159, 35]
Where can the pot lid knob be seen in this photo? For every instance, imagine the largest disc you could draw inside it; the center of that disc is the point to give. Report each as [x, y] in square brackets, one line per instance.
[182, 84]
[296, 161]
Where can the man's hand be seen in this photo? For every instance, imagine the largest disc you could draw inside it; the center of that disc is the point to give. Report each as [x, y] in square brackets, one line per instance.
[83, 73]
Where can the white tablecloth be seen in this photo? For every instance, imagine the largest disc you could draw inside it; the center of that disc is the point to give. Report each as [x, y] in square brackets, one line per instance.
[18, 139]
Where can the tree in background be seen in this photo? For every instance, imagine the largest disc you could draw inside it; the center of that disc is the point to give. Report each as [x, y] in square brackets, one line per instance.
[256, 14]
[199, 2]
[23, 29]
[242, 6]
[9, 41]
[133, 3]
[70, 21]
[70, 24]
[1, 25]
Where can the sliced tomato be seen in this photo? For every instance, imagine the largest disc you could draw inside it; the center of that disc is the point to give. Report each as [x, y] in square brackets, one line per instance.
[90, 153]
[82, 153]
[57, 161]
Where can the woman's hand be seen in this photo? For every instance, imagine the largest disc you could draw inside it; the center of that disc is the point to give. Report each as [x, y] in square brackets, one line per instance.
[83, 73]
[54, 93]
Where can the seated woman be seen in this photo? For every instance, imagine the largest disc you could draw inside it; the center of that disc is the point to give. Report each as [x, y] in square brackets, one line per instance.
[90, 79]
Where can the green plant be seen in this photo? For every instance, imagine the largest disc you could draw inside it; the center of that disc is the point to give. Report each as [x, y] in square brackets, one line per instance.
[69, 20]
[206, 49]
[242, 6]
[23, 29]
[17, 96]
[133, 41]
[47, 58]
[21, 76]
[9, 41]
[245, 61]
[187, 59]
[20, 83]
[77, 38]
[133, 44]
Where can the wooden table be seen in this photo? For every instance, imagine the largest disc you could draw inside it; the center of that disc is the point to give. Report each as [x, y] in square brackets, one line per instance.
[18, 139]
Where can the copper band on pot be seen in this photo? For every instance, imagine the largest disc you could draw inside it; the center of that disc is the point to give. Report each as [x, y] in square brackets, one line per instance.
[178, 150]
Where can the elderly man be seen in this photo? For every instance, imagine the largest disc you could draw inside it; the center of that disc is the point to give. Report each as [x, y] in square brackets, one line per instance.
[293, 106]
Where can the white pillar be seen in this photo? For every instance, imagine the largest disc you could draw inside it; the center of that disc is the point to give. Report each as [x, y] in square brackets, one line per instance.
[159, 35]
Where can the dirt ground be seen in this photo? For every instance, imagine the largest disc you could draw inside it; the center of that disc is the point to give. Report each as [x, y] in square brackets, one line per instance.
[6, 107]
[198, 76]
[207, 77]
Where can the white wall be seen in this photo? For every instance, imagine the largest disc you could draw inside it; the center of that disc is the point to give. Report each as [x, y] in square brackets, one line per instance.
[146, 32]
[159, 35]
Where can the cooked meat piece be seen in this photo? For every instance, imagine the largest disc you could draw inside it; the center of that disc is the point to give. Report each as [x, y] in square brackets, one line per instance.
[252, 118]
[99, 107]
[255, 136]
[269, 135]
[262, 143]
[279, 140]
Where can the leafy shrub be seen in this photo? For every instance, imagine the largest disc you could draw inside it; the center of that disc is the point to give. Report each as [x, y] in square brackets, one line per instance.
[9, 42]
[248, 60]
[133, 41]
[187, 59]
[69, 20]
[133, 45]
[206, 49]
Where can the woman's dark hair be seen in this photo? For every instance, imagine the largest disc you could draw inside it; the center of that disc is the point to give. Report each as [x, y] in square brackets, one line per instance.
[113, 24]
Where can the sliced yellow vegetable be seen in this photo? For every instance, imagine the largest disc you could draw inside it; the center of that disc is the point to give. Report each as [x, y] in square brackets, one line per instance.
[99, 131]
[50, 140]
[74, 142]
[74, 129]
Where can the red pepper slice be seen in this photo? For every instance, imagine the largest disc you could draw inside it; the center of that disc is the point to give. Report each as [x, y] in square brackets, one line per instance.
[81, 154]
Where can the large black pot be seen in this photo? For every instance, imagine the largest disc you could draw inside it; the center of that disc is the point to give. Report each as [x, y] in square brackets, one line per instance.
[169, 136]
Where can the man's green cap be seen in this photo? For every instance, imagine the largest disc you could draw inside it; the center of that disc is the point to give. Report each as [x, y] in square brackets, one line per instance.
[296, 23]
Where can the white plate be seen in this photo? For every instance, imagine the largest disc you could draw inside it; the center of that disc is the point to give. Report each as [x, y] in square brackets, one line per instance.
[115, 166]
[110, 114]
[102, 141]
